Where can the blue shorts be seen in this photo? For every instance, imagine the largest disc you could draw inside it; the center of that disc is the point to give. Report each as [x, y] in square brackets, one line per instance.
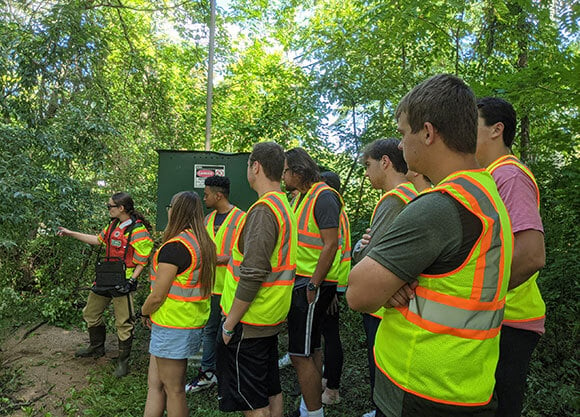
[170, 343]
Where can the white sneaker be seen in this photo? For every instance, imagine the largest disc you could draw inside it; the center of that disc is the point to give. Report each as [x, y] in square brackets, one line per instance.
[330, 396]
[370, 414]
[284, 361]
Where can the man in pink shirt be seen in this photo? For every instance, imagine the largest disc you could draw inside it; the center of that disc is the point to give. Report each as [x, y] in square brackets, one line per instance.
[524, 310]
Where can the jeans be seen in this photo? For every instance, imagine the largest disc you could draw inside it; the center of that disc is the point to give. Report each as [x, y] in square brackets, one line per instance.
[210, 334]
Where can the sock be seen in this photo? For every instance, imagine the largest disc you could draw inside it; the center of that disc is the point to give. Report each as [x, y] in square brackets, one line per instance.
[303, 409]
[317, 413]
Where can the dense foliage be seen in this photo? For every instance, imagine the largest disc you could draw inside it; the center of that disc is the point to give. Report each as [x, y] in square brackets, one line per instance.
[90, 89]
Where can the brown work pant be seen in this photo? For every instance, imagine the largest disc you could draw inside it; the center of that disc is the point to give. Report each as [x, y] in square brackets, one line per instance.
[122, 307]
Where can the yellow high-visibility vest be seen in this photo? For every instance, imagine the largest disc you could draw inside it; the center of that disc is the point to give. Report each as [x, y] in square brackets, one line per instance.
[272, 302]
[309, 239]
[345, 252]
[184, 307]
[224, 240]
[444, 346]
[523, 303]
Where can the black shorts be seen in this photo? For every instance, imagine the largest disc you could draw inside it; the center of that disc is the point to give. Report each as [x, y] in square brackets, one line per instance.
[305, 320]
[247, 371]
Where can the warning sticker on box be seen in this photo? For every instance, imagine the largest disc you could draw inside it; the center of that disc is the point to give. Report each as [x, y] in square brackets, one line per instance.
[201, 172]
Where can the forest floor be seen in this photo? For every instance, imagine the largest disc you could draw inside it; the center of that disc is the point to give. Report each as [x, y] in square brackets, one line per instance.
[40, 376]
[43, 358]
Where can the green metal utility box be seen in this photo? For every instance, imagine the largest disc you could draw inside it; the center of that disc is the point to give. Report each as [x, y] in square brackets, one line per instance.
[187, 170]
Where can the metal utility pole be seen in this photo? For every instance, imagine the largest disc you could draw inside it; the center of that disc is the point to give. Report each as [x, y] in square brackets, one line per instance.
[209, 99]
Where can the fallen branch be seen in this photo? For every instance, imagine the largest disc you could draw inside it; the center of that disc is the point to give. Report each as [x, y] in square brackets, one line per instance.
[17, 406]
[29, 331]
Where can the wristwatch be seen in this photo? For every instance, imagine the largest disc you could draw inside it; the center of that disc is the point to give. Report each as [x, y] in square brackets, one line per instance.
[312, 286]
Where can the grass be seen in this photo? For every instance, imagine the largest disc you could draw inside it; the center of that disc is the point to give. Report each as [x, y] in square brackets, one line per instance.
[552, 381]
[109, 396]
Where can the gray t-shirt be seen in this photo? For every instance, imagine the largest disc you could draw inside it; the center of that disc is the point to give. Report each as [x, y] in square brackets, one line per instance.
[388, 209]
[434, 234]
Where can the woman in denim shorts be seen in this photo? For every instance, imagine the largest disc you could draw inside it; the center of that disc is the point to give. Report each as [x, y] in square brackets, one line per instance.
[178, 307]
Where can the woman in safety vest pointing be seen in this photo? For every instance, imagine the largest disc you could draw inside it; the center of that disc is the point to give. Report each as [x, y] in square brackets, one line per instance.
[127, 238]
[179, 304]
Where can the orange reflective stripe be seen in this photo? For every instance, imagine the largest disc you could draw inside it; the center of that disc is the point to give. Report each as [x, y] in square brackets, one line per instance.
[525, 320]
[462, 303]
[232, 223]
[408, 190]
[443, 329]
[481, 201]
[185, 298]
[274, 202]
[190, 241]
[278, 282]
[284, 268]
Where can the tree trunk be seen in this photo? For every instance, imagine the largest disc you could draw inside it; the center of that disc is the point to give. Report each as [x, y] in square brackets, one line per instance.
[355, 137]
[524, 28]
[525, 138]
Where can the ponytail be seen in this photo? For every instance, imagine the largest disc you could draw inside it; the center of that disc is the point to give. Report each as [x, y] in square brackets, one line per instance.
[125, 200]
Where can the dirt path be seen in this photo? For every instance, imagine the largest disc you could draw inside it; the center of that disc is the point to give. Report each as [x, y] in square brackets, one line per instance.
[44, 356]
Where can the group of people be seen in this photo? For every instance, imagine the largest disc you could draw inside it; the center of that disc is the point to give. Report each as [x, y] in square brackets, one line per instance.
[445, 275]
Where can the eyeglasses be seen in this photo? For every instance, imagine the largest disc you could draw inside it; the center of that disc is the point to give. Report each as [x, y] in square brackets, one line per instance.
[110, 206]
[167, 207]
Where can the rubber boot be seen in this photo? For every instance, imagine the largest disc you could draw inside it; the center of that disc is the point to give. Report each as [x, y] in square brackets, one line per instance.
[96, 348]
[123, 361]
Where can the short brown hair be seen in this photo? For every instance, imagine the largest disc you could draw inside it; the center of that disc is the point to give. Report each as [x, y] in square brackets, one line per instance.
[389, 147]
[271, 156]
[449, 105]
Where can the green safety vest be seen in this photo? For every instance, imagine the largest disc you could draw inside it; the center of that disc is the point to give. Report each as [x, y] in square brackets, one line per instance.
[272, 302]
[184, 307]
[406, 192]
[523, 303]
[224, 241]
[309, 239]
[444, 346]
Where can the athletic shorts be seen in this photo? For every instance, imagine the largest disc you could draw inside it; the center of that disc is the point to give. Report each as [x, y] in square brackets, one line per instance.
[170, 343]
[305, 320]
[247, 371]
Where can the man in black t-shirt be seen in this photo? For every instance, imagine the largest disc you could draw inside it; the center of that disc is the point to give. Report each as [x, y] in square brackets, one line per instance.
[317, 210]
